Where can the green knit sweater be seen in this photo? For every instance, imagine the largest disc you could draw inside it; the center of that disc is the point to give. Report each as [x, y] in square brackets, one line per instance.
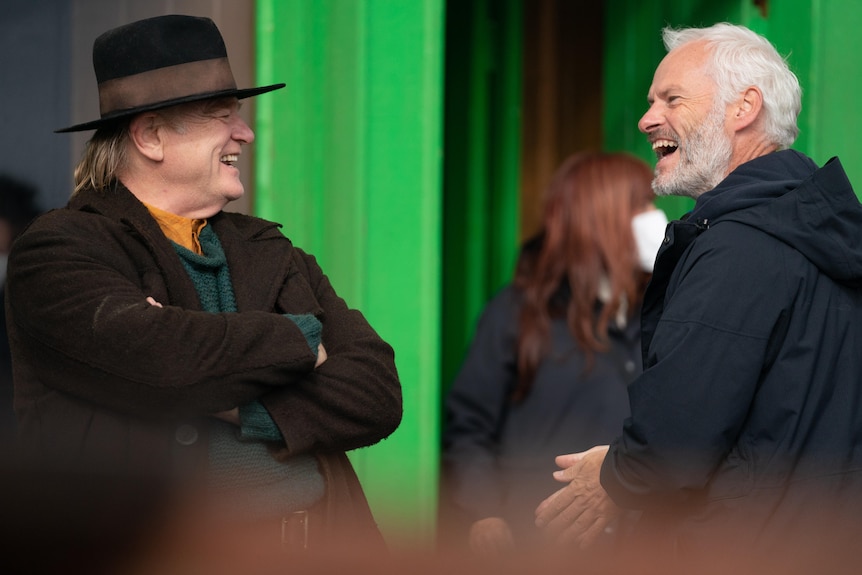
[253, 484]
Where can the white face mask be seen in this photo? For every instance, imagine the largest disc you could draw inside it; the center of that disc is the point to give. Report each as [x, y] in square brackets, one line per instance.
[648, 228]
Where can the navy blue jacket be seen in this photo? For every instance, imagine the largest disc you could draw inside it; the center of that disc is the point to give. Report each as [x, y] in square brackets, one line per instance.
[749, 411]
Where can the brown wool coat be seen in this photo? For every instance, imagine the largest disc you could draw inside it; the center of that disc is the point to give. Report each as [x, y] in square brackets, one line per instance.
[104, 379]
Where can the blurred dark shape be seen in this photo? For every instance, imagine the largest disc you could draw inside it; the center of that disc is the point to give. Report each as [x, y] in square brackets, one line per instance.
[18, 207]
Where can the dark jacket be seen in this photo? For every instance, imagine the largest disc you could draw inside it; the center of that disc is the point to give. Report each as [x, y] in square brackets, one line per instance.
[747, 420]
[499, 456]
[7, 416]
[104, 379]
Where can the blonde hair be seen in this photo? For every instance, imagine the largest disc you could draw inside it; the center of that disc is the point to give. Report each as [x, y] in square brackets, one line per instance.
[104, 157]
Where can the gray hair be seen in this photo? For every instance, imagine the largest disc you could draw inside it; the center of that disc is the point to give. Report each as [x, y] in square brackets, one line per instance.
[104, 158]
[740, 58]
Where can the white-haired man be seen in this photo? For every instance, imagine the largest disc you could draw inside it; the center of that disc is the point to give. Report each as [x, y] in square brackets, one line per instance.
[746, 425]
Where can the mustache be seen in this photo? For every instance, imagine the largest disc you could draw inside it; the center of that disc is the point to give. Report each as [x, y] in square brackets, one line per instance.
[663, 134]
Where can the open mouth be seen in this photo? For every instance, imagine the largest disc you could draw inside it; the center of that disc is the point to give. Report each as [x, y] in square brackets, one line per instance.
[229, 159]
[664, 148]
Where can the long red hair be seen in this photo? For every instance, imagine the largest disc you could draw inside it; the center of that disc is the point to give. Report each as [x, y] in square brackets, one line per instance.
[586, 239]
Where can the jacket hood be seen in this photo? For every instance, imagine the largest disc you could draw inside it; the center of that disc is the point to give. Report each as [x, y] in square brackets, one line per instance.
[814, 210]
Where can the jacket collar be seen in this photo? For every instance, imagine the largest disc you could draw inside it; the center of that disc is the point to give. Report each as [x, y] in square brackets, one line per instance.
[254, 247]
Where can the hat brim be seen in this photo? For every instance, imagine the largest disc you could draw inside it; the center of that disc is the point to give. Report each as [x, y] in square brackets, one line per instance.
[119, 114]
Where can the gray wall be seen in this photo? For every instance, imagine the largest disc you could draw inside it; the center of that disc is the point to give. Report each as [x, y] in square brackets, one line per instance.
[47, 80]
[34, 89]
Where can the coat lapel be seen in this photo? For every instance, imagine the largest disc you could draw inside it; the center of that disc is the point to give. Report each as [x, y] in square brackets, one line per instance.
[254, 248]
[120, 205]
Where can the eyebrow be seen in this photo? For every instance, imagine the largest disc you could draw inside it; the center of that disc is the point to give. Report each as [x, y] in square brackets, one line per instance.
[214, 105]
[664, 92]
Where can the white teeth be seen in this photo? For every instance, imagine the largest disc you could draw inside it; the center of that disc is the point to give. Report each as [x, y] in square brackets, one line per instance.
[663, 144]
[229, 158]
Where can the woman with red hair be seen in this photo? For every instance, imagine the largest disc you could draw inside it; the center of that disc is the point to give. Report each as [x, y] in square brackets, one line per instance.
[547, 370]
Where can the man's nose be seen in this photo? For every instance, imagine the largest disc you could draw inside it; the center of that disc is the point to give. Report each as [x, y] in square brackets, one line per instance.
[650, 120]
[242, 132]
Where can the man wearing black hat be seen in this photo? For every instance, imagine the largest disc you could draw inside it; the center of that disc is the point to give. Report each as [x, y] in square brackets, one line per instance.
[152, 332]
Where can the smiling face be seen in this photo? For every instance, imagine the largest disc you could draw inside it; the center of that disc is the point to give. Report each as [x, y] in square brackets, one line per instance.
[201, 148]
[686, 125]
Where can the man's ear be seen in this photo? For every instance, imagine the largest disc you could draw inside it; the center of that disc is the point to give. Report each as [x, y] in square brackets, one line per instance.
[146, 134]
[748, 108]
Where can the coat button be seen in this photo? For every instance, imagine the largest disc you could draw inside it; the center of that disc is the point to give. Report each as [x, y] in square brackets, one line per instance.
[630, 366]
[186, 434]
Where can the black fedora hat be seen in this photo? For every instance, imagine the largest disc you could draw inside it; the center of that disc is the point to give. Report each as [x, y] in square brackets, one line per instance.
[159, 62]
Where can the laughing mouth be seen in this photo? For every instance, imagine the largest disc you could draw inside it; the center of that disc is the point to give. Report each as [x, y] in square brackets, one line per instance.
[664, 148]
[229, 159]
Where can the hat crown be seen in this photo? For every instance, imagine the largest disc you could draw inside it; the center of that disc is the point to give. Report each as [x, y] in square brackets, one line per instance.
[160, 62]
[155, 43]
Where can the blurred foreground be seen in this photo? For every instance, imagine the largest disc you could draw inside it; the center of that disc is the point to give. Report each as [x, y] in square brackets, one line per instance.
[58, 523]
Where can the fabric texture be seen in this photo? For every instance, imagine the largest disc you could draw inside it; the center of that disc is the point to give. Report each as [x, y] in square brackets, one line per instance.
[746, 422]
[248, 482]
[107, 382]
[180, 230]
[210, 273]
[310, 327]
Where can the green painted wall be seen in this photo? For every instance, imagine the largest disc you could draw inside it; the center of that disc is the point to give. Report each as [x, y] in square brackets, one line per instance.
[823, 41]
[481, 164]
[349, 160]
[384, 170]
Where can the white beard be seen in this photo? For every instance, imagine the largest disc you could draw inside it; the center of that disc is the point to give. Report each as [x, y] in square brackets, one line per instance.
[703, 162]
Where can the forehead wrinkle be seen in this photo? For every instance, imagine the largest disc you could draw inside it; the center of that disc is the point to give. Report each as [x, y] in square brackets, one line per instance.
[663, 92]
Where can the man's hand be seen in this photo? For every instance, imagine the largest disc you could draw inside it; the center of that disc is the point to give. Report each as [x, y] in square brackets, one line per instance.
[321, 355]
[231, 416]
[582, 510]
[491, 536]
